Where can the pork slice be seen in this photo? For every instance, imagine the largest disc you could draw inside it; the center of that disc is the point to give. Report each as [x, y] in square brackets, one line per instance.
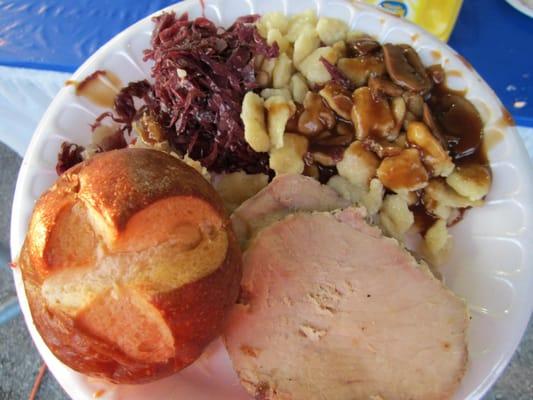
[331, 309]
[284, 195]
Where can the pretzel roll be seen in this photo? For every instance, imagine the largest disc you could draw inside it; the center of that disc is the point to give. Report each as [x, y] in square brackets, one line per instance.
[130, 266]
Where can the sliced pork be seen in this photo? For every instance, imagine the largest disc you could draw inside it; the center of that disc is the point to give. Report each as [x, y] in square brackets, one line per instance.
[285, 194]
[331, 309]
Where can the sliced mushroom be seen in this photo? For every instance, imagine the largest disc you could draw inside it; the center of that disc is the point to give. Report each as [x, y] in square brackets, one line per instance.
[427, 117]
[383, 148]
[399, 109]
[292, 123]
[359, 69]
[436, 73]
[324, 158]
[380, 87]
[363, 46]
[338, 99]
[322, 136]
[460, 122]
[346, 131]
[342, 136]
[405, 68]
[409, 116]
[414, 103]
[316, 117]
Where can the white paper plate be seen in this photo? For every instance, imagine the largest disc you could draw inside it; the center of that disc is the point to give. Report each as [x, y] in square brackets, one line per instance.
[492, 263]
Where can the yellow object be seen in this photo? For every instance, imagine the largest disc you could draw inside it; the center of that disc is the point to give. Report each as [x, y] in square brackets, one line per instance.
[437, 17]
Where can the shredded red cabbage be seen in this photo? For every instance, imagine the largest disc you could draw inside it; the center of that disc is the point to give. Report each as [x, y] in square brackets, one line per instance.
[69, 155]
[201, 73]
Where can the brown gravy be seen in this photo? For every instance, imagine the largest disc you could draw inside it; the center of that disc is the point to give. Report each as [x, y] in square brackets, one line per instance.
[465, 62]
[325, 173]
[461, 125]
[100, 87]
[99, 393]
[463, 130]
[423, 219]
[455, 73]
[436, 54]
[456, 118]
[330, 142]
[507, 118]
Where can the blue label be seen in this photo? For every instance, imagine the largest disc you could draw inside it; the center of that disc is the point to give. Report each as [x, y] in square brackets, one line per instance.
[395, 7]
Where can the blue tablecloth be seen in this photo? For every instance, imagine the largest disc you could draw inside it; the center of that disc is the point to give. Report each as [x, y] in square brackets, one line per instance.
[498, 41]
